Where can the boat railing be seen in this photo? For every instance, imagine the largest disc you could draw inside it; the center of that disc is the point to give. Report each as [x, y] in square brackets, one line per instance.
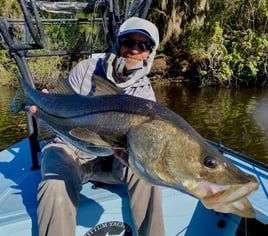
[242, 157]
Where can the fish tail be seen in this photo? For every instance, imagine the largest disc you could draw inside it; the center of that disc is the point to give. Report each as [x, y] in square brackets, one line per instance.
[20, 101]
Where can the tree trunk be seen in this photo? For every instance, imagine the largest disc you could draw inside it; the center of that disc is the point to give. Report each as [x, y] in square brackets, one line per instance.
[172, 16]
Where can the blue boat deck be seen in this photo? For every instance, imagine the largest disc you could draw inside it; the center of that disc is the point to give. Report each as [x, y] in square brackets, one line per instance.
[183, 214]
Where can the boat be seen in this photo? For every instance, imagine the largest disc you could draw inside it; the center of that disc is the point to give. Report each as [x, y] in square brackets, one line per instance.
[105, 210]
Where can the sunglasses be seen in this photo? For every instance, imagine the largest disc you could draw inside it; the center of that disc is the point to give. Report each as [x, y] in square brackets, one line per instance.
[129, 43]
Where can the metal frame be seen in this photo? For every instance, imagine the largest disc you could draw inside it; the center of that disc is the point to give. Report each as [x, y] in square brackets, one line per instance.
[33, 24]
[18, 51]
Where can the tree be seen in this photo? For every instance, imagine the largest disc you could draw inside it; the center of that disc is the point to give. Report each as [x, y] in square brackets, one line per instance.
[223, 42]
[172, 16]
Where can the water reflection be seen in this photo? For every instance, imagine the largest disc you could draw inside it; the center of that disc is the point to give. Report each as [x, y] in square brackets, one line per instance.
[221, 115]
[235, 117]
[12, 128]
[260, 115]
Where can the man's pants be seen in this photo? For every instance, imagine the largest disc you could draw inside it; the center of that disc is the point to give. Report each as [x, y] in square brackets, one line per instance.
[63, 174]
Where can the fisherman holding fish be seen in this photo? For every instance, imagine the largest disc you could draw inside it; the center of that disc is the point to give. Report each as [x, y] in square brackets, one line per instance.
[162, 148]
[64, 168]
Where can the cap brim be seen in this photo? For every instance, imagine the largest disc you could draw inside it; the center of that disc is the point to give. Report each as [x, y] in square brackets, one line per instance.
[143, 32]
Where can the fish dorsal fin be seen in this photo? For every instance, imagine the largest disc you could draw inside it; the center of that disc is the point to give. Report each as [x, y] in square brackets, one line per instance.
[89, 137]
[104, 87]
[61, 87]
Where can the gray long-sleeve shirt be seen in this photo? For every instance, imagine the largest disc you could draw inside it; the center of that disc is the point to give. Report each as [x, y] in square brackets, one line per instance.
[81, 80]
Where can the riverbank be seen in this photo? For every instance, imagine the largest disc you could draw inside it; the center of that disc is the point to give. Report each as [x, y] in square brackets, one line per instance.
[183, 69]
[164, 69]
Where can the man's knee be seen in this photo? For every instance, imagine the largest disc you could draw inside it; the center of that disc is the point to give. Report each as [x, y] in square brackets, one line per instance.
[59, 191]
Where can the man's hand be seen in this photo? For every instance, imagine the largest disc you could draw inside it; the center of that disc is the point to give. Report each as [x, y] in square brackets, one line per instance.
[33, 109]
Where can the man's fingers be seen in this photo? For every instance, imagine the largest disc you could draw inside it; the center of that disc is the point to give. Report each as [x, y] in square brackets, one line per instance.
[44, 90]
[33, 109]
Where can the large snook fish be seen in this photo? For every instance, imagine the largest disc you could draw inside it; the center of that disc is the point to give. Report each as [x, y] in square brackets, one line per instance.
[163, 148]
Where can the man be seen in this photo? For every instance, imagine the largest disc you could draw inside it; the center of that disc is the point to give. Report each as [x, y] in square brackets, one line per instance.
[64, 168]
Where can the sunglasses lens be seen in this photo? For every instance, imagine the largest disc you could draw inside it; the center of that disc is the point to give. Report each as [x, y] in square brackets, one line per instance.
[143, 46]
[127, 43]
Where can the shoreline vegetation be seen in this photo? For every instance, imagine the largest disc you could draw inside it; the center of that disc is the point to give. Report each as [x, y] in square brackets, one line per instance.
[201, 44]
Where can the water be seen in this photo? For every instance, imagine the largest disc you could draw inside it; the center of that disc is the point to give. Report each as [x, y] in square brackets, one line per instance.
[234, 117]
[12, 128]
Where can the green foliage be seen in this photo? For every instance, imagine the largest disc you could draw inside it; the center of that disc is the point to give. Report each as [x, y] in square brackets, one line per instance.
[75, 33]
[78, 35]
[45, 70]
[10, 8]
[8, 69]
[225, 42]
[231, 48]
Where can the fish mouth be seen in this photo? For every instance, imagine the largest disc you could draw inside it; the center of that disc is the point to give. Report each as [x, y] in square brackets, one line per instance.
[227, 198]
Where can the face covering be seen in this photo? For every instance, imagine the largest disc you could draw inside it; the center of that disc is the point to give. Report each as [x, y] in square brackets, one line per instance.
[114, 64]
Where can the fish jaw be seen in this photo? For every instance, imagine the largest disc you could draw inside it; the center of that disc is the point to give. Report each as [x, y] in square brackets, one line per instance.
[227, 198]
[240, 207]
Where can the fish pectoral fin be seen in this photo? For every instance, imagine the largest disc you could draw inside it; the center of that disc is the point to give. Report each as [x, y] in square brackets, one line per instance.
[104, 87]
[89, 137]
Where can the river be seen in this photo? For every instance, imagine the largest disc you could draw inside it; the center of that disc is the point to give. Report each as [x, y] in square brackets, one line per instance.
[234, 117]
[12, 128]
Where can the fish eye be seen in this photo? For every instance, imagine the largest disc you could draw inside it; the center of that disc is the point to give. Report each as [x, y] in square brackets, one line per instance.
[210, 162]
